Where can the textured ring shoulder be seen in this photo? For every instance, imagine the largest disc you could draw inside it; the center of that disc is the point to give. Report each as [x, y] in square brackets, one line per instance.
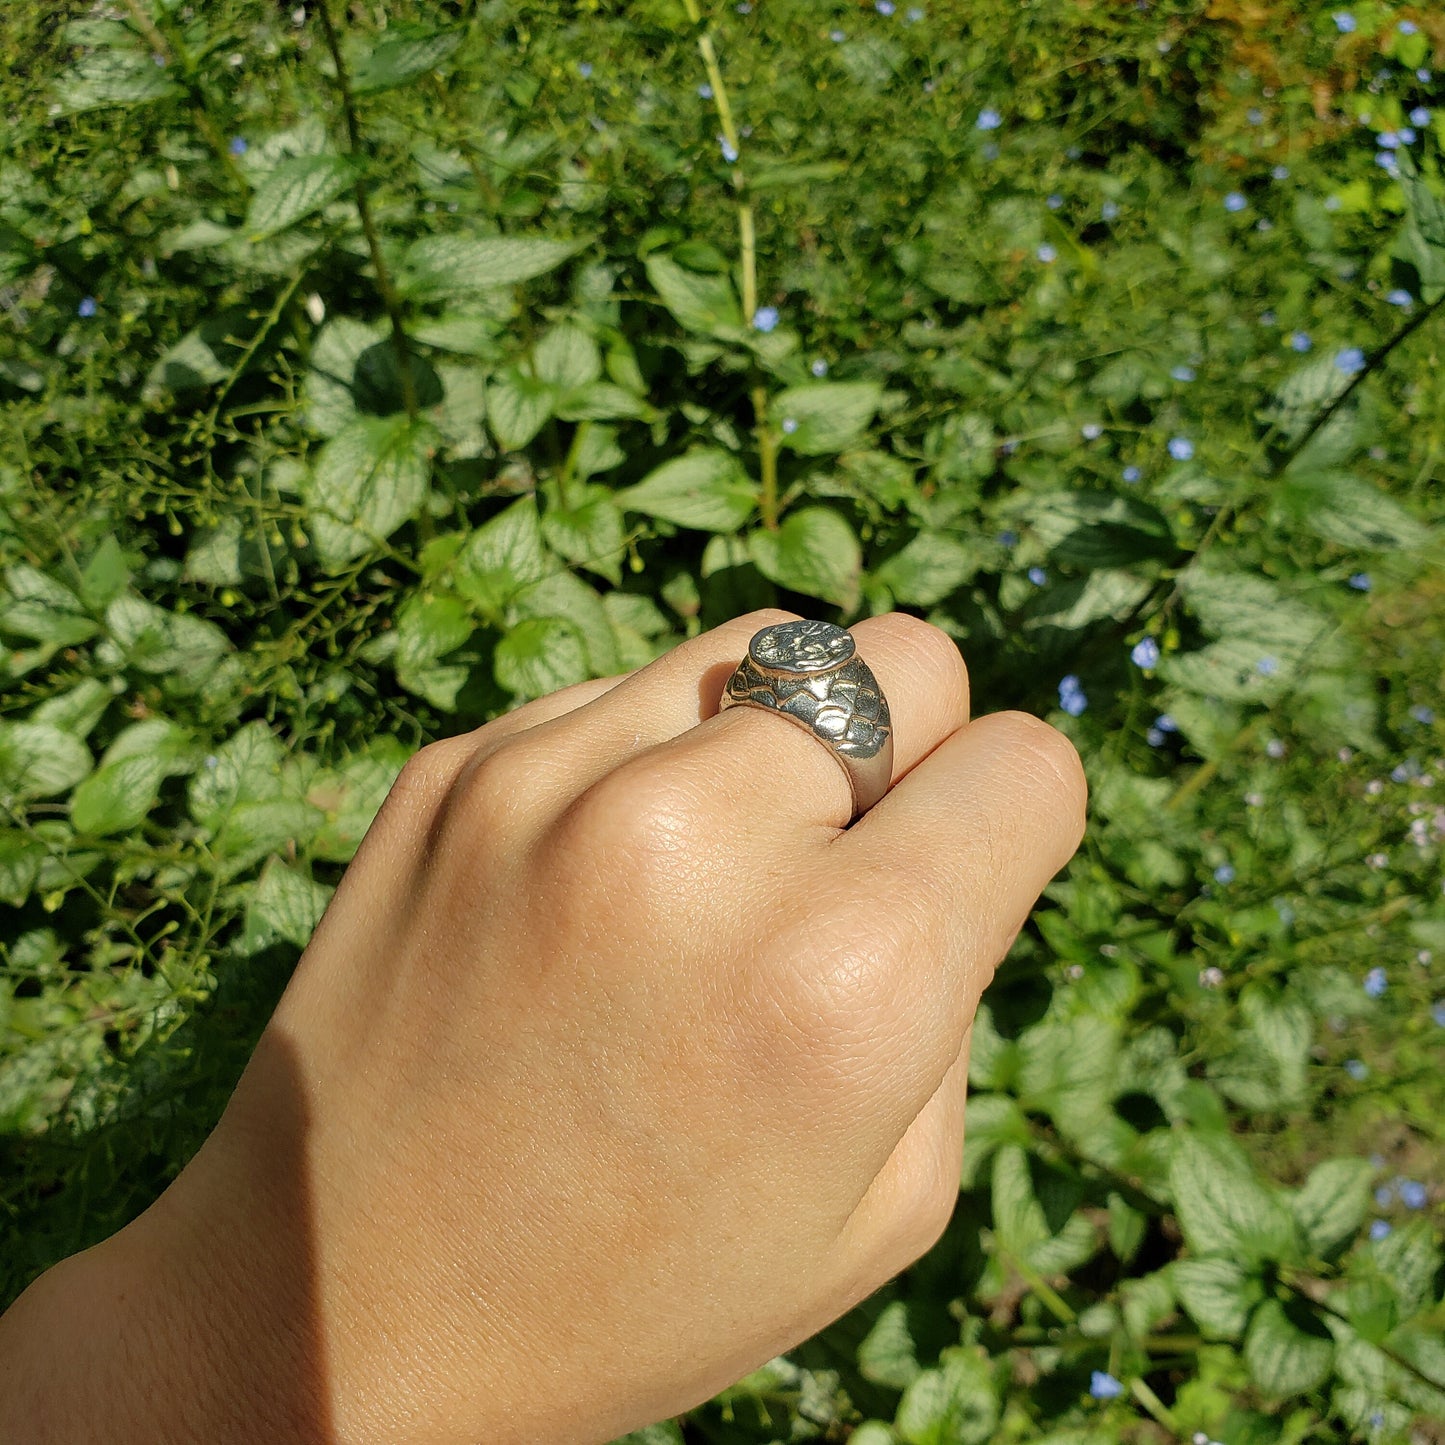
[811, 673]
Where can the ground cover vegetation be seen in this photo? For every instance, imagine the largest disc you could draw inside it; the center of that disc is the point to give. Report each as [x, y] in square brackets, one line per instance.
[369, 370]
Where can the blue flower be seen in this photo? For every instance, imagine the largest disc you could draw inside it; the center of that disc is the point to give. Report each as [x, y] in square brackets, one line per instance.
[1266, 667]
[1274, 748]
[1132, 474]
[1437, 1012]
[1165, 723]
[1280, 173]
[1047, 254]
[914, 14]
[584, 69]
[1071, 695]
[988, 119]
[1008, 538]
[1407, 135]
[1300, 341]
[790, 425]
[819, 367]
[1344, 21]
[729, 150]
[837, 36]
[884, 7]
[1267, 318]
[1379, 1229]
[238, 145]
[1420, 116]
[1375, 982]
[1103, 1386]
[1360, 581]
[1407, 27]
[1423, 714]
[87, 307]
[1109, 210]
[1181, 448]
[1154, 737]
[765, 318]
[1423, 76]
[1037, 576]
[1054, 202]
[1145, 653]
[1387, 140]
[1224, 873]
[1384, 1196]
[705, 91]
[1350, 360]
[1254, 115]
[1413, 1194]
[1234, 202]
[1091, 431]
[1183, 373]
[1357, 1069]
[1399, 297]
[1386, 161]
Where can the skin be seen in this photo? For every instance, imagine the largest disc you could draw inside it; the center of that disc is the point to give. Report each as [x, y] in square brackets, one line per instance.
[619, 1065]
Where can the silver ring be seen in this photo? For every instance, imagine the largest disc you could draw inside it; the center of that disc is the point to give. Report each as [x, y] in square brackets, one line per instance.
[811, 673]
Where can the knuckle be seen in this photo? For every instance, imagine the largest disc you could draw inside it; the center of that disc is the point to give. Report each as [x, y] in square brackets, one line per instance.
[928, 650]
[490, 795]
[931, 1195]
[1053, 760]
[428, 774]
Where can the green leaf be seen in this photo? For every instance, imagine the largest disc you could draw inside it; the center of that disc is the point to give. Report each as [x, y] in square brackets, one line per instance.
[39, 761]
[175, 645]
[117, 796]
[284, 906]
[1342, 508]
[567, 356]
[501, 557]
[831, 416]
[350, 795]
[1224, 1207]
[956, 1404]
[294, 190]
[1267, 1068]
[1095, 529]
[427, 628]
[564, 594]
[1304, 394]
[40, 608]
[330, 401]
[1239, 604]
[1331, 1204]
[1409, 1258]
[1035, 1212]
[245, 768]
[444, 266]
[518, 406]
[665, 1432]
[399, 58]
[77, 711]
[254, 829]
[928, 569]
[1218, 1293]
[706, 489]
[540, 655]
[1288, 1351]
[703, 303]
[887, 1354]
[813, 551]
[591, 535]
[116, 75]
[369, 479]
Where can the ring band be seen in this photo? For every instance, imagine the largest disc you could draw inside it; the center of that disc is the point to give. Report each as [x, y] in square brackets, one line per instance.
[810, 672]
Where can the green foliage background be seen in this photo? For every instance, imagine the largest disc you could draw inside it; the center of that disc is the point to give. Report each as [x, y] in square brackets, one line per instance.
[346, 407]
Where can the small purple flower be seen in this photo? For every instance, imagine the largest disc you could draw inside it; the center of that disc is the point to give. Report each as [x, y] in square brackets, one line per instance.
[1054, 202]
[1071, 695]
[1437, 1012]
[1344, 21]
[1132, 474]
[1183, 373]
[1103, 1386]
[705, 91]
[884, 7]
[1379, 1229]
[837, 36]
[1145, 653]
[1360, 581]
[1234, 202]
[1413, 1194]
[1375, 982]
[988, 119]
[1037, 576]
[238, 145]
[913, 15]
[1109, 210]
[1211, 977]
[1387, 140]
[87, 307]
[1266, 666]
[1254, 115]
[584, 69]
[1154, 737]
[1181, 448]
[1008, 538]
[1300, 341]
[819, 367]
[1407, 27]
[1091, 431]
[1407, 135]
[765, 318]
[1165, 723]
[1420, 116]
[1386, 161]
[1224, 873]
[1280, 173]
[1423, 76]
[1399, 297]
[1357, 1069]
[1423, 714]
[1384, 1196]
[1047, 254]
[729, 150]
[1350, 360]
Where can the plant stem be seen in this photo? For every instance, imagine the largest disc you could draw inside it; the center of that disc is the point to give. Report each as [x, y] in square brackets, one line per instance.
[387, 291]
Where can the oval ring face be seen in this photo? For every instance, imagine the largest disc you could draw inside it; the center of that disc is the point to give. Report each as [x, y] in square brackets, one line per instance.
[802, 647]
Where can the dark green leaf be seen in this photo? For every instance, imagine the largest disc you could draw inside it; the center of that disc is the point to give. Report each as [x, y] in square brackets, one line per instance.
[1218, 1293]
[399, 58]
[1288, 1351]
[703, 303]
[1343, 508]
[813, 551]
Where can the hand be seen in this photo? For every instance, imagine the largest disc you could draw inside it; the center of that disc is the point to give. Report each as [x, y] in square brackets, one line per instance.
[618, 1065]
